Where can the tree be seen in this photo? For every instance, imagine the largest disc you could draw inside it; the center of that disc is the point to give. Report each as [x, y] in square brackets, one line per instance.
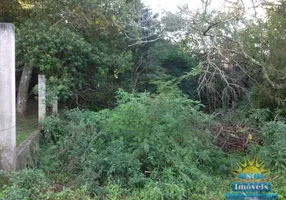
[218, 39]
[140, 26]
[8, 10]
[270, 91]
[171, 63]
[141, 34]
[79, 46]
[58, 53]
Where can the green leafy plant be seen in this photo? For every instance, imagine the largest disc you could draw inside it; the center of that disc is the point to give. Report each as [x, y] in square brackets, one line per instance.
[26, 184]
[274, 146]
[159, 138]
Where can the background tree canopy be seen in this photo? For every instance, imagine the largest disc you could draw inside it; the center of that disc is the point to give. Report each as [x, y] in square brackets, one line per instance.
[90, 49]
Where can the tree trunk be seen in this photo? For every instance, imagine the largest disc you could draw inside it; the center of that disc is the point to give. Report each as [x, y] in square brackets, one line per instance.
[23, 90]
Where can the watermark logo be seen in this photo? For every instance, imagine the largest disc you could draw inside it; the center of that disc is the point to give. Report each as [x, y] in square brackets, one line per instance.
[251, 182]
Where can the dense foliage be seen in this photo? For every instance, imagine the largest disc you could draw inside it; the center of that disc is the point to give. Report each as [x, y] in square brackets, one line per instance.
[148, 147]
[141, 140]
[155, 107]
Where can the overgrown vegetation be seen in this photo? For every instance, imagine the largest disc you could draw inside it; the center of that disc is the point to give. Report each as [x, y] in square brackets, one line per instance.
[156, 107]
[142, 149]
[142, 141]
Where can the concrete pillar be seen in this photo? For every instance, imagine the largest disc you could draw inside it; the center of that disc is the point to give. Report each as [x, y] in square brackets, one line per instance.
[55, 107]
[41, 97]
[7, 98]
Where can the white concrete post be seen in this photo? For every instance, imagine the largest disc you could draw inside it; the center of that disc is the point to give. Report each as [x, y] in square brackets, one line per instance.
[55, 107]
[7, 98]
[41, 97]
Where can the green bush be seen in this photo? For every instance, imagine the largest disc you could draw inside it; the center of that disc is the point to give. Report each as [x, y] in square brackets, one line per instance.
[68, 194]
[26, 184]
[148, 147]
[273, 150]
[32, 184]
[162, 140]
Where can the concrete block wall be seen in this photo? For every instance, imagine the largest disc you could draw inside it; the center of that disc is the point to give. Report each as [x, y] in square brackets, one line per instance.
[26, 150]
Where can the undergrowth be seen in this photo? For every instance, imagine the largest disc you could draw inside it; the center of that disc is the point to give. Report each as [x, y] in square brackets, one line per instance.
[161, 139]
[148, 147]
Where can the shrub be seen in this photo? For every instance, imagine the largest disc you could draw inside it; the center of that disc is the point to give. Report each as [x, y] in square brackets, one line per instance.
[161, 140]
[26, 184]
[31, 184]
[273, 150]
